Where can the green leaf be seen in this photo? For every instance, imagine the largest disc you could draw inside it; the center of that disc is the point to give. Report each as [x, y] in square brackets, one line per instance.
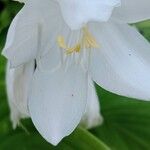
[144, 28]
[85, 141]
[79, 140]
[126, 122]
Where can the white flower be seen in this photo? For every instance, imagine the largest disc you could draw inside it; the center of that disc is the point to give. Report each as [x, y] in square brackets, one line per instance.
[74, 43]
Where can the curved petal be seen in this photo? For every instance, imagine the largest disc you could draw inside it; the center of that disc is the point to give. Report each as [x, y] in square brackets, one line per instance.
[132, 11]
[22, 39]
[122, 64]
[77, 13]
[57, 102]
[92, 116]
[18, 83]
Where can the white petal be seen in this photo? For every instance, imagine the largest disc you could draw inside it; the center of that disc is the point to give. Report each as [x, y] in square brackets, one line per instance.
[18, 83]
[22, 39]
[122, 64]
[92, 116]
[33, 32]
[77, 13]
[132, 11]
[57, 102]
[15, 115]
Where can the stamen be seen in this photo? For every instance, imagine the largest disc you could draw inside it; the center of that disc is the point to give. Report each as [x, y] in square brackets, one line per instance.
[76, 48]
[61, 42]
[87, 41]
[69, 50]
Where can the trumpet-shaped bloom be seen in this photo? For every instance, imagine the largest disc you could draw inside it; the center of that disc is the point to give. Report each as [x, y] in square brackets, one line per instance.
[74, 43]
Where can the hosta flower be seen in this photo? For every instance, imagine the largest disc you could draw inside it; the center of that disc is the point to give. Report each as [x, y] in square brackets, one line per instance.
[57, 48]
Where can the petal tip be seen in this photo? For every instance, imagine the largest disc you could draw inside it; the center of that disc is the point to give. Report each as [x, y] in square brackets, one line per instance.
[3, 52]
[52, 137]
[97, 122]
[55, 141]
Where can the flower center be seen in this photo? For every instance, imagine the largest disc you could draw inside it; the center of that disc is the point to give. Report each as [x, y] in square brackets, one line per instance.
[87, 41]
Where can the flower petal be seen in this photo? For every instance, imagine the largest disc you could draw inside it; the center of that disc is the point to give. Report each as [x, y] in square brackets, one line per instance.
[22, 39]
[92, 116]
[122, 64]
[132, 11]
[58, 101]
[18, 83]
[77, 13]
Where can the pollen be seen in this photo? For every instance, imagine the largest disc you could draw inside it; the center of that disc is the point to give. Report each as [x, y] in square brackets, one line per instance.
[87, 41]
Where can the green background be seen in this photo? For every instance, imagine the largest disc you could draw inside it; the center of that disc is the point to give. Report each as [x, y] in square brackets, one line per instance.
[126, 121]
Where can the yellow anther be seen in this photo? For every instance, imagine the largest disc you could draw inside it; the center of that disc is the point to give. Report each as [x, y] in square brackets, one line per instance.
[76, 48]
[69, 50]
[61, 42]
[87, 41]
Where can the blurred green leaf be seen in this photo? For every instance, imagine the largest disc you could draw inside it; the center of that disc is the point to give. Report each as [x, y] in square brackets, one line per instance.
[126, 122]
[8, 9]
[79, 140]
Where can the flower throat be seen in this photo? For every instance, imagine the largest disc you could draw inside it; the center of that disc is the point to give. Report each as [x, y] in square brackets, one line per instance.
[87, 41]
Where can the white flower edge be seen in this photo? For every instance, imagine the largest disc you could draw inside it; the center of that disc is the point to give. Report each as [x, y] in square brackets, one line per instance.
[18, 86]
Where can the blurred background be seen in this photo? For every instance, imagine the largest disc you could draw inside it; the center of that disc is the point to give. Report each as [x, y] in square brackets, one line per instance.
[126, 121]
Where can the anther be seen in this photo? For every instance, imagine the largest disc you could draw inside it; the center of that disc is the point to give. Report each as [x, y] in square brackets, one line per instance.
[87, 41]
